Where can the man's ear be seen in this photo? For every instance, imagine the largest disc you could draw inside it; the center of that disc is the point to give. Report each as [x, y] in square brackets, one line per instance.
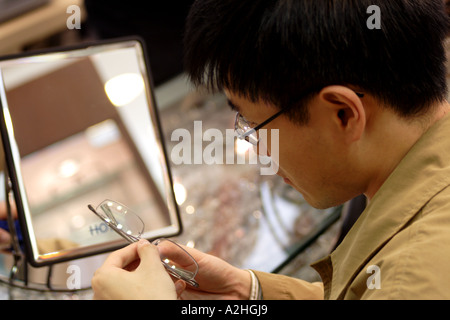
[346, 109]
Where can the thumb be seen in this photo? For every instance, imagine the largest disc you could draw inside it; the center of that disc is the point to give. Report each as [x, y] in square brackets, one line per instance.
[152, 271]
[150, 260]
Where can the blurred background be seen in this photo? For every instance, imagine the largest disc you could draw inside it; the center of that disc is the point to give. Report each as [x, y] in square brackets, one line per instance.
[38, 24]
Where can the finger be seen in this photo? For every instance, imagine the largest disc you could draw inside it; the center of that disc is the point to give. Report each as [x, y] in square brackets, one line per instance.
[173, 252]
[4, 211]
[180, 286]
[196, 254]
[122, 257]
[5, 237]
[149, 257]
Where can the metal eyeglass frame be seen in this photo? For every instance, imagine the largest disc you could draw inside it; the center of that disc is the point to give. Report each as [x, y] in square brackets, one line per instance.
[178, 273]
[245, 132]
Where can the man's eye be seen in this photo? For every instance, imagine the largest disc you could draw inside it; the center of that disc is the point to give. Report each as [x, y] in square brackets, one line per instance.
[251, 123]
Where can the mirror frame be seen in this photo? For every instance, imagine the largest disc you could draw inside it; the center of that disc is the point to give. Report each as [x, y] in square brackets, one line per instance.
[12, 159]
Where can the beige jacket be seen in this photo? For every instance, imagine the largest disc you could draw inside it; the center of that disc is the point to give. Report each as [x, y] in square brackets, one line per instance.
[399, 248]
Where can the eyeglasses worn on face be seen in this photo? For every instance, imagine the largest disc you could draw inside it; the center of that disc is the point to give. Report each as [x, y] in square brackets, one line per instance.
[177, 261]
[245, 132]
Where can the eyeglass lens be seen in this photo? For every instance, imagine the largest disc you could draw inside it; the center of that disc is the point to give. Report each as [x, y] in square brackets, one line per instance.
[177, 261]
[245, 131]
[122, 218]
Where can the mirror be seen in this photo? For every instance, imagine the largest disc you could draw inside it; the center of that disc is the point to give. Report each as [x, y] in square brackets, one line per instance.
[80, 125]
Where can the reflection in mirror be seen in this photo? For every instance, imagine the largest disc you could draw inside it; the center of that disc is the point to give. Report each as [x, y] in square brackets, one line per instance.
[80, 126]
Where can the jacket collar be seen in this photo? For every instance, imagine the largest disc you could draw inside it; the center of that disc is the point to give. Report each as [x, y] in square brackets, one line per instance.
[421, 174]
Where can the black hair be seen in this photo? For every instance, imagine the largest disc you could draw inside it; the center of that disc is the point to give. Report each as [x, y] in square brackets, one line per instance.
[285, 51]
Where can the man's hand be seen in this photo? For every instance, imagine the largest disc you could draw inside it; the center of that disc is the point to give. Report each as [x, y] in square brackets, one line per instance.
[136, 272]
[217, 279]
[5, 237]
[132, 273]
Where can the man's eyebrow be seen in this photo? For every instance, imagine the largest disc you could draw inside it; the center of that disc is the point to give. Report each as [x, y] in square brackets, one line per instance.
[233, 106]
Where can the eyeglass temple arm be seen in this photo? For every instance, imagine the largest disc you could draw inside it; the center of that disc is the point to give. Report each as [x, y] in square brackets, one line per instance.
[108, 212]
[259, 126]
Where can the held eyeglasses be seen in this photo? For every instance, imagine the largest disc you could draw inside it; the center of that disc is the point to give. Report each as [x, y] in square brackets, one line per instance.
[177, 261]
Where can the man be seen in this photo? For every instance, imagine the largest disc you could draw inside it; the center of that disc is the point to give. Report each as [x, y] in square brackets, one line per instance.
[360, 108]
